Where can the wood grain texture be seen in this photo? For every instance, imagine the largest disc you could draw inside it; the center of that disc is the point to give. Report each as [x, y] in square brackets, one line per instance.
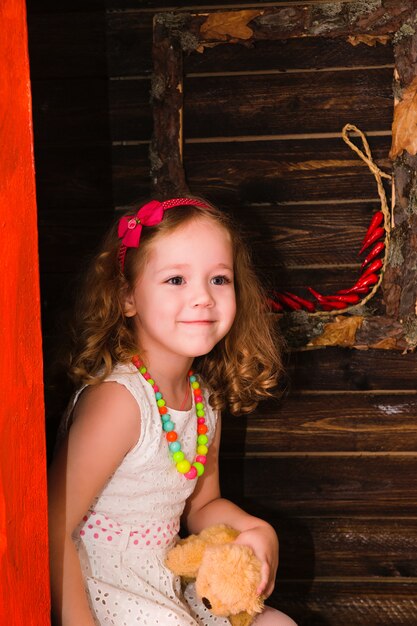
[326, 423]
[346, 547]
[290, 54]
[275, 171]
[341, 484]
[374, 603]
[281, 104]
[341, 369]
[24, 584]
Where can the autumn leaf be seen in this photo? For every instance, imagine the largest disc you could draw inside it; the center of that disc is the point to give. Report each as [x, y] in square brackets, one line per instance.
[341, 332]
[369, 40]
[404, 126]
[234, 24]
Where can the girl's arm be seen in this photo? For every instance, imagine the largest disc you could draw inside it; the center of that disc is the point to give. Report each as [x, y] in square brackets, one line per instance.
[206, 507]
[106, 426]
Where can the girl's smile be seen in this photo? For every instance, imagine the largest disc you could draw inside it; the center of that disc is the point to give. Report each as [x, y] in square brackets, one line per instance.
[184, 301]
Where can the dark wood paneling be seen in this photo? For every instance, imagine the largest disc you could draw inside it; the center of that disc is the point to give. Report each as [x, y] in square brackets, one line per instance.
[276, 171]
[326, 423]
[348, 603]
[69, 44]
[324, 484]
[289, 54]
[71, 111]
[342, 369]
[129, 43]
[346, 547]
[308, 234]
[130, 110]
[279, 104]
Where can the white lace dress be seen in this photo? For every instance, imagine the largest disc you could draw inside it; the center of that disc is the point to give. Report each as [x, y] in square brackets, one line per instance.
[123, 539]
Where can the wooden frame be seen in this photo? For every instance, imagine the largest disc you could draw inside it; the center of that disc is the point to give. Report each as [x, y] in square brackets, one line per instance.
[382, 20]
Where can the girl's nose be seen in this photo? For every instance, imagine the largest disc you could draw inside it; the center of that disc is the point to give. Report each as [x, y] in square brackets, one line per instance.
[202, 297]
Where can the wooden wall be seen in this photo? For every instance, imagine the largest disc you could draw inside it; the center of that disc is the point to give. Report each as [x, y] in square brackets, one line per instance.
[333, 463]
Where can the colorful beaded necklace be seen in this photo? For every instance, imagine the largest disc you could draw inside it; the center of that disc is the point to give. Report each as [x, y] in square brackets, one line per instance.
[183, 465]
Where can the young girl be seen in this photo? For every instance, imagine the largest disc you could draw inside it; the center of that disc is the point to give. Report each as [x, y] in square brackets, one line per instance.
[171, 290]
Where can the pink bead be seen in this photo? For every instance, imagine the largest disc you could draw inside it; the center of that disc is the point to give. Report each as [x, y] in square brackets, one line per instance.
[201, 458]
[109, 538]
[199, 399]
[146, 376]
[155, 388]
[191, 474]
[201, 420]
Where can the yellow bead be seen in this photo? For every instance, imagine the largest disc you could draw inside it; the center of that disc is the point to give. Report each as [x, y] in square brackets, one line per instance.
[195, 385]
[202, 449]
[184, 466]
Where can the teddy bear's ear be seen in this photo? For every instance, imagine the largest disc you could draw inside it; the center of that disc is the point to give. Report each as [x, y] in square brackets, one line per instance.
[228, 578]
[185, 558]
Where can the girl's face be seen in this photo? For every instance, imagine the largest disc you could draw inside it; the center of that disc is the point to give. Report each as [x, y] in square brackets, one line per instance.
[184, 300]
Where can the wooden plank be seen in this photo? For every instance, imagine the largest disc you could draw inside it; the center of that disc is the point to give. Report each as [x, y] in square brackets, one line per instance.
[277, 104]
[288, 54]
[346, 547]
[70, 111]
[129, 36]
[71, 44]
[307, 234]
[323, 484]
[325, 423]
[275, 171]
[342, 369]
[130, 110]
[374, 603]
[130, 45]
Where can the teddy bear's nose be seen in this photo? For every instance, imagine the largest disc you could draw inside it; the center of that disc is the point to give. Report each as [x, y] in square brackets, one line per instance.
[206, 603]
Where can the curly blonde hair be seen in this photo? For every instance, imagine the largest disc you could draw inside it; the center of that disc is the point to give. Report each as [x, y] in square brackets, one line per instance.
[240, 370]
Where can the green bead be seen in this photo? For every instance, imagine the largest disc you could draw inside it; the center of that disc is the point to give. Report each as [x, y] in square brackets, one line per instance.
[160, 402]
[143, 370]
[199, 467]
[199, 406]
[178, 456]
[151, 381]
[200, 413]
[202, 440]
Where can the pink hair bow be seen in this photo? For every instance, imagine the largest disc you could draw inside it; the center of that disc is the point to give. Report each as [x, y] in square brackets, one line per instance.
[150, 214]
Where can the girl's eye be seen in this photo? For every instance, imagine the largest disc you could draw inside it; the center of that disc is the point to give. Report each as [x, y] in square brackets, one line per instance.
[220, 280]
[175, 280]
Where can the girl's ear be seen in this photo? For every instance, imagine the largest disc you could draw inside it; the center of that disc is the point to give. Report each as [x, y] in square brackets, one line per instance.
[129, 306]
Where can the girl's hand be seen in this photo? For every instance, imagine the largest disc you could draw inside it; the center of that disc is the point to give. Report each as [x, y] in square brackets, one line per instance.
[264, 542]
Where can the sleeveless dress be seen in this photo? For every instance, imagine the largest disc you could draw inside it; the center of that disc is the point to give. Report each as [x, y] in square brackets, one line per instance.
[124, 537]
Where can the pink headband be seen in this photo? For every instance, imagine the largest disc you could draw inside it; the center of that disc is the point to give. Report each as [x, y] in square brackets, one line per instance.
[150, 214]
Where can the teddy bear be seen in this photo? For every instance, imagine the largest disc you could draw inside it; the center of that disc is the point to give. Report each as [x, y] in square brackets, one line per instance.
[226, 574]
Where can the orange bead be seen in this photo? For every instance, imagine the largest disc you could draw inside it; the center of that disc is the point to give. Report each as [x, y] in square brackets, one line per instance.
[162, 410]
[171, 436]
[202, 429]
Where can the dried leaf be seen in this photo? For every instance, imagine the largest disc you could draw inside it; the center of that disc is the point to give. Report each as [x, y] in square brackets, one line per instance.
[341, 332]
[404, 126]
[220, 26]
[369, 40]
[390, 343]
